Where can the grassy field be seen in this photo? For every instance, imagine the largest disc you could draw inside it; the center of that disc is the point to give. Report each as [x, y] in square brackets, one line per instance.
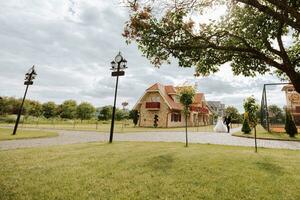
[264, 134]
[6, 134]
[105, 127]
[126, 170]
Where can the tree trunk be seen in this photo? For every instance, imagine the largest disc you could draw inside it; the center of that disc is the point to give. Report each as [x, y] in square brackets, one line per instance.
[186, 135]
[295, 79]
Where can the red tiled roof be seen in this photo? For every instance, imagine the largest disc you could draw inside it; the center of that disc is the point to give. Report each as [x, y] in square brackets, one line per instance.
[170, 89]
[153, 87]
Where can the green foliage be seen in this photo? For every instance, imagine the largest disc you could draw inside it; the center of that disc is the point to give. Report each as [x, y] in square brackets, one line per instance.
[246, 127]
[251, 109]
[290, 126]
[247, 36]
[155, 121]
[105, 113]
[85, 111]
[121, 114]
[33, 108]
[49, 109]
[234, 114]
[134, 115]
[3, 106]
[275, 114]
[186, 97]
[67, 109]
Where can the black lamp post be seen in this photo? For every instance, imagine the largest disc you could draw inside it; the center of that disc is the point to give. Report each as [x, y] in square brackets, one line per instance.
[29, 76]
[117, 66]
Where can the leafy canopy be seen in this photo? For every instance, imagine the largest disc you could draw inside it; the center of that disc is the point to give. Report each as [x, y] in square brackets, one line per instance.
[250, 35]
[186, 96]
[251, 108]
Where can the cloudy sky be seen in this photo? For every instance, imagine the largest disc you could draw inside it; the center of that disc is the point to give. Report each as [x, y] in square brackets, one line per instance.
[72, 43]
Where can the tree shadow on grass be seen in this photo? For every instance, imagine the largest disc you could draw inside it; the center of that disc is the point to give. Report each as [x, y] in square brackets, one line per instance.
[270, 167]
[161, 162]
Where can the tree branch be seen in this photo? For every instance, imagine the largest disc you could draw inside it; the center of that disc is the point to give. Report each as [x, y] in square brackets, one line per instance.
[233, 49]
[283, 5]
[269, 11]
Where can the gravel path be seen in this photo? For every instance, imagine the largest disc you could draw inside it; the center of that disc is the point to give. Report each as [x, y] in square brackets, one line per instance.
[72, 137]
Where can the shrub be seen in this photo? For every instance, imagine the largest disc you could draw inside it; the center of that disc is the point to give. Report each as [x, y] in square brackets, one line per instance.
[290, 126]
[246, 127]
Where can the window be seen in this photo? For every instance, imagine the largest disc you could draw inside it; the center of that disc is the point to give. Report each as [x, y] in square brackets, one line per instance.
[175, 117]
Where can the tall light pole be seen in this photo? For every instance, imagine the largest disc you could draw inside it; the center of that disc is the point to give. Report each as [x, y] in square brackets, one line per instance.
[29, 77]
[117, 66]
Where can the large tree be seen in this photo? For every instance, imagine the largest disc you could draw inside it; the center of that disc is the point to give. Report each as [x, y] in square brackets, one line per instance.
[275, 114]
[33, 108]
[68, 109]
[105, 113]
[85, 111]
[49, 109]
[250, 35]
[233, 113]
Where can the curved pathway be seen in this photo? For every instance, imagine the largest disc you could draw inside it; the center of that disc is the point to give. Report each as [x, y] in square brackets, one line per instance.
[73, 137]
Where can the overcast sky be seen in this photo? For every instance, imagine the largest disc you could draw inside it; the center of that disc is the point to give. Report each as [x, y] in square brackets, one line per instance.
[72, 43]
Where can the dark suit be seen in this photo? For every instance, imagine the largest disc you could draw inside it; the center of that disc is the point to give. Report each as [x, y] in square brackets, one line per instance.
[227, 121]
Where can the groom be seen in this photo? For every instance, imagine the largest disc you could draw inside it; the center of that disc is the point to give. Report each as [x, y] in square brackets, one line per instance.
[227, 122]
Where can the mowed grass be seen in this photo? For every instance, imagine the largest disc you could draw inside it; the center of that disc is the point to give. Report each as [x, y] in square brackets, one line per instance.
[264, 134]
[132, 170]
[6, 134]
[119, 127]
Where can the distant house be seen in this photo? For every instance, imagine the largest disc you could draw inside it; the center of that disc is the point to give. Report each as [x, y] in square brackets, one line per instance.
[217, 107]
[293, 102]
[163, 101]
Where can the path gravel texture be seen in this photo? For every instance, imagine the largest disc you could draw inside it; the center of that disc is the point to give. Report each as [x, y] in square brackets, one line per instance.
[73, 137]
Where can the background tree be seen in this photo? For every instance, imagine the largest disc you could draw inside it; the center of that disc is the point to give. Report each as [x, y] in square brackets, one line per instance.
[67, 109]
[13, 105]
[85, 111]
[290, 126]
[251, 109]
[275, 114]
[105, 113]
[34, 108]
[134, 115]
[234, 113]
[249, 35]
[121, 114]
[49, 109]
[246, 127]
[4, 106]
[186, 98]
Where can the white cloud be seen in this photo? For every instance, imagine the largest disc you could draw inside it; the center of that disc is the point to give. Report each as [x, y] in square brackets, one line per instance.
[72, 43]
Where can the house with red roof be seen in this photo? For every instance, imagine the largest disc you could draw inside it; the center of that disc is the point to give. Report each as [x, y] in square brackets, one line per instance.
[163, 101]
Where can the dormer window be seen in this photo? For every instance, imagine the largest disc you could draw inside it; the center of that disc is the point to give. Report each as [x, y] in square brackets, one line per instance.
[154, 99]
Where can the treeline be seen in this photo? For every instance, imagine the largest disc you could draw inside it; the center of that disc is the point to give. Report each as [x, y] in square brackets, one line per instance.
[69, 109]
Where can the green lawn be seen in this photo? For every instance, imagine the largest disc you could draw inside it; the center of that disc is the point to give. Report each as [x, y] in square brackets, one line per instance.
[6, 134]
[105, 127]
[264, 134]
[132, 170]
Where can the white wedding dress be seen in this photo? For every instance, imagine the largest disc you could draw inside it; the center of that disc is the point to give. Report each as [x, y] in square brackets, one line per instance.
[220, 127]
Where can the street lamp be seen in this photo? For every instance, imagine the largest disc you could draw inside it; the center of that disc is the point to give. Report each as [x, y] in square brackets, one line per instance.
[118, 65]
[29, 77]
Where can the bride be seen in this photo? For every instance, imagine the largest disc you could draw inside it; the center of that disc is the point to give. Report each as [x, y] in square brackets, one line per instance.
[220, 127]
